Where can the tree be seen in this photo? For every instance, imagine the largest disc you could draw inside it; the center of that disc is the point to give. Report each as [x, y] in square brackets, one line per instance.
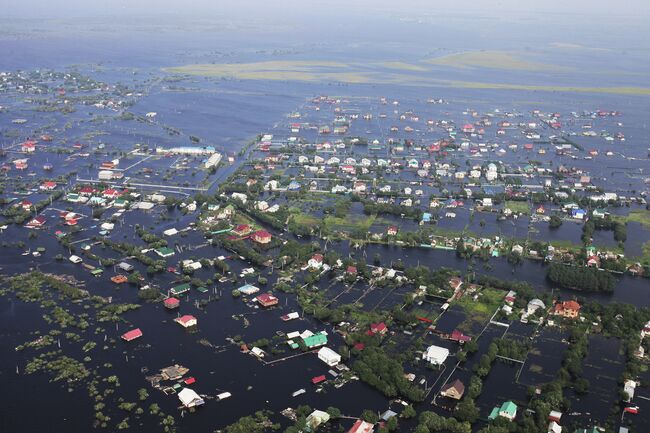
[408, 412]
[333, 412]
[581, 278]
[581, 385]
[370, 416]
[475, 387]
[466, 410]
[555, 222]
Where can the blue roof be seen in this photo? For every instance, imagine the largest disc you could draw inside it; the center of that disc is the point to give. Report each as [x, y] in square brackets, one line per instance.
[492, 190]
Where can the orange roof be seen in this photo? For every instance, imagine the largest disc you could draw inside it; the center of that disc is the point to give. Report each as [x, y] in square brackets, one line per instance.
[567, 305]
[119, 279]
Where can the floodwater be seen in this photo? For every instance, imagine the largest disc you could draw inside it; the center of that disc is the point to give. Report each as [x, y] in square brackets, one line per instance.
[227, 114]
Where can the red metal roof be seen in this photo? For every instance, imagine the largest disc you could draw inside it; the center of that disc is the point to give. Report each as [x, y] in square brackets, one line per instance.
[262, 234]
[457, 335]
[171, 302]
[186, 318]
[318, 379]
[132, 334]
[266, 299]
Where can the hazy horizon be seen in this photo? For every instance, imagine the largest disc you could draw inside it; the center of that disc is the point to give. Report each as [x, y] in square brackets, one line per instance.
[637, 9]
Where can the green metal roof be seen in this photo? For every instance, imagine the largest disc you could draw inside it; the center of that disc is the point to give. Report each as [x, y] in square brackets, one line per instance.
[509, 407]
[315, 340]
[180, 289]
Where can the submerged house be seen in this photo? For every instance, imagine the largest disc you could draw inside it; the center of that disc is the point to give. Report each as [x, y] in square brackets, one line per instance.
[171, 303]
[132, 334]
[328, 356]
[190, 398]
[315, 340]
[436, 355]
[165, 252]
[186, 321]
[248, 289]
[534, 305]
[454, 390]
[458, 336]
[361, 426]
[508, 410]
[568, 309]
[38, 221]
[378, 328]
[126, 267]
[266, 300]
[180, 289]
[316, 418]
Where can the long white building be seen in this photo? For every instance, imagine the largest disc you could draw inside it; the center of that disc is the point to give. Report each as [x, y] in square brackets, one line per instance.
[188, 150]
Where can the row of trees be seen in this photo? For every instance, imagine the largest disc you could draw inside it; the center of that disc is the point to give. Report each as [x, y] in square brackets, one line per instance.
[580, 278]
[430, 422]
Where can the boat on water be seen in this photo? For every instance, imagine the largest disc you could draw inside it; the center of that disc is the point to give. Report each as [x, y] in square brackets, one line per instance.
[297, 393]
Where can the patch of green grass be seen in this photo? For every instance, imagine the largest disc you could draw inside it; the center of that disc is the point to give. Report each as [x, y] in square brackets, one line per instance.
[639, 216]
[349, 224]
[325, 71]
[305, 219]
[482, 309]
[522, 207]
[298, 70]
[240, 218]
[645, 248]
[633, 91]
[494, 60]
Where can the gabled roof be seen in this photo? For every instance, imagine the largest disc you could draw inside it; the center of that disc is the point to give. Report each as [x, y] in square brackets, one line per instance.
[315, 340]
[360, 426]
[509, 407]
[456, 385]
[132, 334]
